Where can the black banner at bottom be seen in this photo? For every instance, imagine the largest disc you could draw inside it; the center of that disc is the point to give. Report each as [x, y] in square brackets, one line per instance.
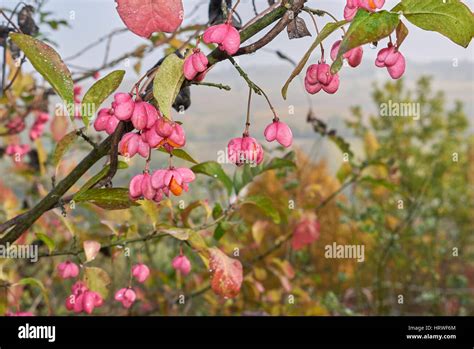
[406, 332]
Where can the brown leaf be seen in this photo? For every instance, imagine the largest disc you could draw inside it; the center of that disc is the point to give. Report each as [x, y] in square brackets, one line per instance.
[297, 29]
[401, 32]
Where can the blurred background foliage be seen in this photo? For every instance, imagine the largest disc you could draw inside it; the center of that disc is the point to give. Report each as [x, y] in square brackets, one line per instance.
[408, 198]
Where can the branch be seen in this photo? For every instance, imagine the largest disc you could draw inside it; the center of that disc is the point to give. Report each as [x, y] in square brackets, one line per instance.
[116, 136]
[212, 84]
[51, 200]
[20, 225]
[76, 252]
[273, 33]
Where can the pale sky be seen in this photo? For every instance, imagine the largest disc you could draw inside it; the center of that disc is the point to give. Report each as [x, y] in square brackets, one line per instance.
[95, 18]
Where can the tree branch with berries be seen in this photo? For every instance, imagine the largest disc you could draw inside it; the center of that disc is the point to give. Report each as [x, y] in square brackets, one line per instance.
[140, 121]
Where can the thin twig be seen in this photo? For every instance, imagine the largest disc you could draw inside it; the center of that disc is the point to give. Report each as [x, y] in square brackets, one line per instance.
[212, 84]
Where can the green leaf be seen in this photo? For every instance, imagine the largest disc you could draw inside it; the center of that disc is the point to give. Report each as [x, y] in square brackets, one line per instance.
[217, 211]
[450, 18]
[365, 28]
[47, 241]
[49, 64]
[94, 180]
[62, 147]
[167, 83]
[219, 232]
[178, 233]
[214, 170]
[107, 198]
[277, 163]
[328, 29]
[237, 181]
[97, 280]
[247, 173]
[180, 153]
[99, 92]
[265, 204]
[344, 172]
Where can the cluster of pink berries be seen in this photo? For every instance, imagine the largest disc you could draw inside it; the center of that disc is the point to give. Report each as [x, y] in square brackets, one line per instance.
[225, 36]
[16, 125]
[153, 186]
[127, 295]
[319, 76]
[17, 151]
[154, 131]
[82, 299]
[247, 150]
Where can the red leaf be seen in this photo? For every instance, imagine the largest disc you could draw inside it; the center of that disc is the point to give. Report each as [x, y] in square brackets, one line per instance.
[227, 274]
[144, 17]
[305, 233]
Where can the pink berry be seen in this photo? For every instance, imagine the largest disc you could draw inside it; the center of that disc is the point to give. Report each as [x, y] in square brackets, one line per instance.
[100, 123]
[354, 56]
[112, 124]
[152, 137]
[391, 59]
[173, 180]
[38, 126]
[225, 35]
[195, 64]
[126, 296]
[135, 187]
[144, 115]
[319, 76]
[133, 143]
[182, 264]
[16, 125]
[245, 150]
[280, 132]
[68, 269]
[352, 6]
[140, 272]
[123, 106]
[77, 93]
[172, 133]
[371, 5]
[15, 150]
